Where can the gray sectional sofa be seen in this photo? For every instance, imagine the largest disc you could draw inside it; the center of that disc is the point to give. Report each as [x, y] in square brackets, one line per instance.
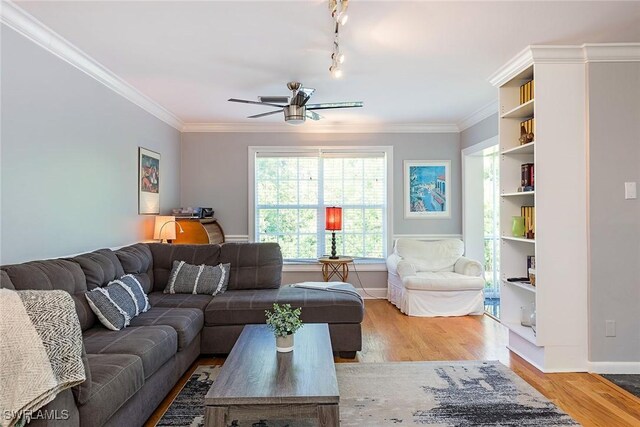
[129, 372]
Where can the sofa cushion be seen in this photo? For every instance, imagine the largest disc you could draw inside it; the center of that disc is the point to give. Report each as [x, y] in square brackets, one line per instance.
[198, 279]
[153, 344]
[115, 379]
[5, 281]
[164, 255]
[138, 260]
[187, 322]
[318, 306]
[82, 391]
[253, 265]
[160, 299]
[443, 281]
[439, 255]
[99, 267]
[54, 274]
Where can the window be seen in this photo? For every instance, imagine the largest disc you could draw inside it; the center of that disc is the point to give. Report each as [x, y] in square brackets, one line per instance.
[292, 188]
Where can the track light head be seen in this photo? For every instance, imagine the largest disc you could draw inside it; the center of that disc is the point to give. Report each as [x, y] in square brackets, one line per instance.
[336, 71]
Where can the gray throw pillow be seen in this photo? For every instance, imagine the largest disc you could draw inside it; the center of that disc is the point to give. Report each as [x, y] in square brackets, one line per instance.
[139, 297]
[198, 279]
[114, 305]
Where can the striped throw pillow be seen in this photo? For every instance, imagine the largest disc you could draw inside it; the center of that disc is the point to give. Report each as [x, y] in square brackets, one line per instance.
[114, 305]
[140, 298]
[198, 279]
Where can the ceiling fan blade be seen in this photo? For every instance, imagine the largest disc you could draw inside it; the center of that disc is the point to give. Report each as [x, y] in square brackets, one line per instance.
[264, 114]
[308, 92]
[313, 115]
[329, 105]
[244, 101]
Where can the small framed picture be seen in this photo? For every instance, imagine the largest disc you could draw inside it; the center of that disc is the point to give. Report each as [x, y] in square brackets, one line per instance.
[426, 189]
[148, 182]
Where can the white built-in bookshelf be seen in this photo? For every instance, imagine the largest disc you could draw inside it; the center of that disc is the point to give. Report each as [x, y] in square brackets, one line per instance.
[559, 245]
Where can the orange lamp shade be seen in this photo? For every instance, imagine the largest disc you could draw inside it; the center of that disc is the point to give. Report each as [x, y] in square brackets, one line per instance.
[333, 218]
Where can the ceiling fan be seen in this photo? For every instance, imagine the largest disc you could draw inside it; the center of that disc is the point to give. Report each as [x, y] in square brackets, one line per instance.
[295, 108]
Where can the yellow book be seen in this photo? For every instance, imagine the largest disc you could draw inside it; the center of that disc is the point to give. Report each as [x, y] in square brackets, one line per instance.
[532, 88]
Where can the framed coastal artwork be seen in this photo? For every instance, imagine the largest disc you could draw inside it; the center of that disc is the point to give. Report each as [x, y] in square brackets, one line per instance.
[148, 182]
[427, 189]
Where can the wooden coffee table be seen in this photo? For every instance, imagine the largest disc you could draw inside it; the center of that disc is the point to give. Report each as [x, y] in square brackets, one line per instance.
[257, 383]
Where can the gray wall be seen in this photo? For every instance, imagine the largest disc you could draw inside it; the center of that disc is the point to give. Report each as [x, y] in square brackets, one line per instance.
[614, 223]
[215, 172]
[69, 158]
[487, 128]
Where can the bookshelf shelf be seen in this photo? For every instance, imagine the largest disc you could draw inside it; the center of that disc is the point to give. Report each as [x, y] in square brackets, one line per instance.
[524, 331]
[518, 193]
[521, 149]
[523, 111]
[521, 285]
[519, 239]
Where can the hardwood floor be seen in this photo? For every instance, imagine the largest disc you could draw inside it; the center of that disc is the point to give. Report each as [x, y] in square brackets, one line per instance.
[390, 336]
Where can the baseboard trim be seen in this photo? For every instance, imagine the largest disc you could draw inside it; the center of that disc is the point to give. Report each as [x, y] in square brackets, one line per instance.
[372, 293]
[427, 236]
[614, 367]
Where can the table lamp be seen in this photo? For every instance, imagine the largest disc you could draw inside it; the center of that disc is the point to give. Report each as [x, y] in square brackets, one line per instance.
[162, 232]
[333, 223]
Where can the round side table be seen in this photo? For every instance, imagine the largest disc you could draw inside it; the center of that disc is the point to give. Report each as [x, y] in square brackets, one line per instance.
[335, 267]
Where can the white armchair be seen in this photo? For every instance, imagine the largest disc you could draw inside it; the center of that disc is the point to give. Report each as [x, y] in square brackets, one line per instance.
[431, 279]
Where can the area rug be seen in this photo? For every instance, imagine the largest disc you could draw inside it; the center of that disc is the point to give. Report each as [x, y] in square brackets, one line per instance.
[629, 382]
[439, 394]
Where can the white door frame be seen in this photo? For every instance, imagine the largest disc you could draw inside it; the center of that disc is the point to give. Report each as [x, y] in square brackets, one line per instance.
[470, 249]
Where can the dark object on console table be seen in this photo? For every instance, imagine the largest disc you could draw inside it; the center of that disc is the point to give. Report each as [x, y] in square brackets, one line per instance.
[129, 372]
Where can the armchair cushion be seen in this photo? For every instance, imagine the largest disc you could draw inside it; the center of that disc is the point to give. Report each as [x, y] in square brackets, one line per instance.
[438, 255]
[468, 267]
[442, 281]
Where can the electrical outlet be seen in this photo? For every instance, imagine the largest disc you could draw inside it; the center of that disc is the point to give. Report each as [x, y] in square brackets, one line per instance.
[609, 328]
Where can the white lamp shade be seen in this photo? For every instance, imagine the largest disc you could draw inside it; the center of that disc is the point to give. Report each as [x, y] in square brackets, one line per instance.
[165, 228]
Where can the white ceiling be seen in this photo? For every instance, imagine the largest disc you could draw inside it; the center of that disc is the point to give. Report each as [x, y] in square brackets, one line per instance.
[410, 62]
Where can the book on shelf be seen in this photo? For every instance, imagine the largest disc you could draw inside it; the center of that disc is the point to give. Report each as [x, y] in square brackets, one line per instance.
[527, 175]
[526, 92]
[529, 215]
[531, 262]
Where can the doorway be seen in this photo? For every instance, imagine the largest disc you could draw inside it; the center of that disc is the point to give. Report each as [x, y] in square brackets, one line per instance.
[481, 213]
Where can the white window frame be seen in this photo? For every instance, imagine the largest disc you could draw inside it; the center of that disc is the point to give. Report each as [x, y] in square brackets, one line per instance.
[253, 150]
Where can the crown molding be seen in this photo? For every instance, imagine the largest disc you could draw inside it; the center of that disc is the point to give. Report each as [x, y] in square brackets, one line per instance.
[565, 54]
[22, 22]
[612, 52]
[512, 68]
[478, 116]
[322, 128]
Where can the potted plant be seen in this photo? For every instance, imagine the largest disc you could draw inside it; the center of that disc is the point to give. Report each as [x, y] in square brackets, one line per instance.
[284, 322]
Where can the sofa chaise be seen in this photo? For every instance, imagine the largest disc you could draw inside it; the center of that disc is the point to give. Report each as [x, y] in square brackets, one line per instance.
[129, 372]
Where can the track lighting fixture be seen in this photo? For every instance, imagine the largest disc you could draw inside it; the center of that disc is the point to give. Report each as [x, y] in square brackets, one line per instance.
[339, 14]
[336, 71]
[339, 10]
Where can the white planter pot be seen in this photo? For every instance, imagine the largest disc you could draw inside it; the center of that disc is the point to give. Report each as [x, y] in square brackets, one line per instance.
[284, 344]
